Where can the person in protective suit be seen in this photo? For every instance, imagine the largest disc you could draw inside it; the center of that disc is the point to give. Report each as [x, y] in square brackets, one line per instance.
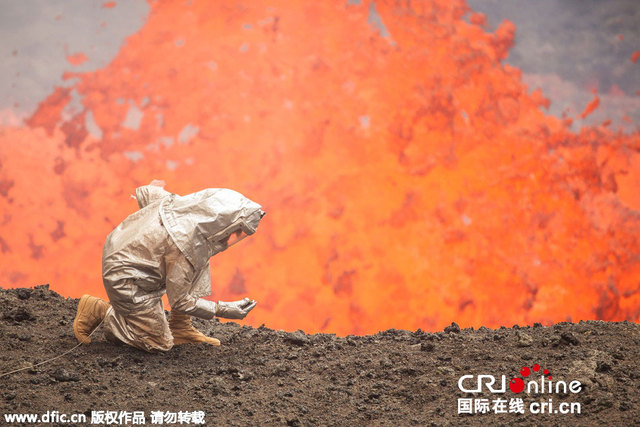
[165, 247]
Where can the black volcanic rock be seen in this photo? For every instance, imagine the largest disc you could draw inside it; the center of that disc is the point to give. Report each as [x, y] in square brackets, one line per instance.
[264, 377]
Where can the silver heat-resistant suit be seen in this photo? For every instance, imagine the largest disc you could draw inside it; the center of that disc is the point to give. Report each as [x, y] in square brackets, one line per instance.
[165, 247]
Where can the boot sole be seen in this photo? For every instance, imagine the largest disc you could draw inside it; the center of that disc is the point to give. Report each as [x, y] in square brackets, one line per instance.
[180, 341]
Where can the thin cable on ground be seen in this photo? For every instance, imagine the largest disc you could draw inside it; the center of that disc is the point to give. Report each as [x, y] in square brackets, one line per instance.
[53, 358]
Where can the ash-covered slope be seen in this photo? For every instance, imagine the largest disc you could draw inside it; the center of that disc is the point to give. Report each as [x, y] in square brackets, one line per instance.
[261, 376]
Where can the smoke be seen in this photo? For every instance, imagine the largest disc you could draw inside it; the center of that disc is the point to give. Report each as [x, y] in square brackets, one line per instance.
[410, 178]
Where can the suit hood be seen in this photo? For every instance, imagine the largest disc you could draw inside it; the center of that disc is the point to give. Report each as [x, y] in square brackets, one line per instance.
[199, 223]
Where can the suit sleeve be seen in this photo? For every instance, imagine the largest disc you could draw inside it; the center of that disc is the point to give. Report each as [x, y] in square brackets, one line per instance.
[181, 280]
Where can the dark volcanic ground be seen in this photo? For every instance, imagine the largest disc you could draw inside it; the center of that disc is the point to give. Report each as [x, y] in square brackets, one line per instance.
[266, 377]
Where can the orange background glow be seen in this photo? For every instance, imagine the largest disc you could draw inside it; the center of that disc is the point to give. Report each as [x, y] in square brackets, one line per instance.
[410, 178]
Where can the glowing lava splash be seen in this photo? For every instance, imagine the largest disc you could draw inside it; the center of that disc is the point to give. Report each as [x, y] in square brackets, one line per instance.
[410, 179]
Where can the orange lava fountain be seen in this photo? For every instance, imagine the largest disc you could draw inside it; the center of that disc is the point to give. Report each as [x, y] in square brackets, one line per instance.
[409, 177]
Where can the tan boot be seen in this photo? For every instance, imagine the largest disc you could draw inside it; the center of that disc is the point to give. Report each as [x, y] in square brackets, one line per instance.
[184, 333]
[91, 311]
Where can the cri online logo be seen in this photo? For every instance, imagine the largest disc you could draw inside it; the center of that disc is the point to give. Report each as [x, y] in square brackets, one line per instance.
[517, 384]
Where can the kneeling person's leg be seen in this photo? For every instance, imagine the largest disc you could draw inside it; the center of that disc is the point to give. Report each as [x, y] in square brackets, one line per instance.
[136, 318]
[142, 325]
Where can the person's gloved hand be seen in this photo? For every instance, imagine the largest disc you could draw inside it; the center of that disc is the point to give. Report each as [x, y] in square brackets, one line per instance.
[235, 309]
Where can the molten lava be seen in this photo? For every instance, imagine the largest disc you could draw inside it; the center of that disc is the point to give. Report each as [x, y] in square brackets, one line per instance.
[409, 176]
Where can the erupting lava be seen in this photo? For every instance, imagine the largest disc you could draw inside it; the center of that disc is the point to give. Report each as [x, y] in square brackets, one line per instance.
[409, 177]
